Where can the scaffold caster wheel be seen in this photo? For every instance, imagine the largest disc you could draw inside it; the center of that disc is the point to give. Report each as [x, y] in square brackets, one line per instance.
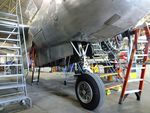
[23, 102]
[65, 83]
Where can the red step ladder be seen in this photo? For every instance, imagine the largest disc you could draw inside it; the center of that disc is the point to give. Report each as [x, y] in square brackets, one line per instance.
[138, 91]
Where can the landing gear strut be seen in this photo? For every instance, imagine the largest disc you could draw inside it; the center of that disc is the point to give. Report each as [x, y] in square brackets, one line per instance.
[89, 88]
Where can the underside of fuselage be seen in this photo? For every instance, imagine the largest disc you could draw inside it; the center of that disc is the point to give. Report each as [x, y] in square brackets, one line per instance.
[55, 23]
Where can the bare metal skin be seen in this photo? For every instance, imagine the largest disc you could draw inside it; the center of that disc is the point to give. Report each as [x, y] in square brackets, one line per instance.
[59, 21]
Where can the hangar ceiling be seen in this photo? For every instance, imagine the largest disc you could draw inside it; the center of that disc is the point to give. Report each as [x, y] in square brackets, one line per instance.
[9, 6]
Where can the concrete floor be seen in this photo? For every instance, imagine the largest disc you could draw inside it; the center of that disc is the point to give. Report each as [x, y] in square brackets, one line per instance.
[51, 96]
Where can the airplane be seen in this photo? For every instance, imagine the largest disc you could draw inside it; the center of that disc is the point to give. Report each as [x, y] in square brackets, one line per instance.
[60, 32]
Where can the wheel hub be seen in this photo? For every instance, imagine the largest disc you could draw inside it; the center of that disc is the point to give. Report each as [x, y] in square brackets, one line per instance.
[85, 92]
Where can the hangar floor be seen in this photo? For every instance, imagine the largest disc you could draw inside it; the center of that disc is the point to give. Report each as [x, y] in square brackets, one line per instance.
[51, 96]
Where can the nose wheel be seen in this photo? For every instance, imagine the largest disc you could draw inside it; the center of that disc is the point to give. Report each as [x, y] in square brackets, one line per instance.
[90, 91]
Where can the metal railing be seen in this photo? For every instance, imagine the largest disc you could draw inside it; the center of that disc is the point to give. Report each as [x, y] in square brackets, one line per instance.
[18, 12]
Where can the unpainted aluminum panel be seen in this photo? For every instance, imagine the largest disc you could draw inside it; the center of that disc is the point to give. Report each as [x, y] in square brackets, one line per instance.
[57, 22]
[63, 20]
[40, 42]
[47, 55]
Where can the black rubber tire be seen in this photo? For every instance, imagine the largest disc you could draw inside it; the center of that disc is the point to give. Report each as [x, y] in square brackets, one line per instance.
[65, 83]
[97, 89]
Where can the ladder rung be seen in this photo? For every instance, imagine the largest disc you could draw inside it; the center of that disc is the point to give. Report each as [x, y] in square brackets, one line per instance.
[140, 55]
[131, 91]
[12, 99]
[10, 86]
[108, 74]
[10, 55]
[135, 80]
[11, 94]
[94, 60]
[8, 23]
[124, 50]
[13, 75]
[107, 66]
[5, 39]
[7, 19]
[142, 41]
[99, 54]
[9, 26]
[134, 68]
[8, 14]
[9, 32]
[97, 49]
[139, 58]
[9, 47]
[10, 65]
[147, 63]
